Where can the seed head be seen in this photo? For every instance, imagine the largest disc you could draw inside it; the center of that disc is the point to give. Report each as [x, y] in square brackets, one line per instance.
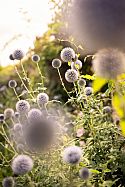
[22, 164]
[67, 54]
[56, 63]
[109, 63]
[71, 75]
[88, 91]
[34, 114]
[8, 182]
[81, 82]
[22, 106]
[72, 154]
[12, 84]
[84, 173]
[8, 113]
[18, 54]
[77, 65]
[42, 98]
[36, 58]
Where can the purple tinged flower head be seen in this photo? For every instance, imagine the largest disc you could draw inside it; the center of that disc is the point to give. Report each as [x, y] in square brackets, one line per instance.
[8, 182]
[42, 98]
[36, 58]
[67, 54]
[18, 54]
[56, 63]
[71, 75]
[22, 106]
[12, 83]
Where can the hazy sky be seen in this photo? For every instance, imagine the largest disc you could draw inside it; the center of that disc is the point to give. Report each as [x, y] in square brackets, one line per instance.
[13, 22]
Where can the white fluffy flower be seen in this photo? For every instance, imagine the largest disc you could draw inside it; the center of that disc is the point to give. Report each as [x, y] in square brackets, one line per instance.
[42, 98]
[84, 173]
[67, 54]
[88, 90]
[8, 182]
[22, 164]
[22, 106]
[72, 154]
[71, 75]
[81, 82]
[8, 113]
[34, 114]
[56, 63]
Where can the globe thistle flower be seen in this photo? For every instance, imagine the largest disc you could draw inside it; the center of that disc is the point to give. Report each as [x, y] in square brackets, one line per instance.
[18, 54]
[56, 63]
[8, 113]
[11, 57]
[12, 84]
[22, 164]
[88, 91]
[1, 117]
[71, 75]
[81, 82]
[109, 63]
[72, 154]
[84, 173]
[36, 58]
[34, 114]
[40, 135]
[42, 98]
[17, 127]
[67, 54]
[22, 106]
[17, 115]
[8, 182]
[76, 65]
[107, 109]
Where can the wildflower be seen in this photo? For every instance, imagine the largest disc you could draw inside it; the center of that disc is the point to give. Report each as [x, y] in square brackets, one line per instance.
[17, 115]
[56, 63]
[36, 58]
[72, 154]
[109, 63]
[22, 106]
[34, 114]
[67, 54]
[18, 54]
[22, 164]
[8, 113]
[76, 65]
[88, 91]
[11, 57]
[17, 127]
[8, 182]
[1, 117]
[81, 82]
[42, 98]
[84, 173]
[71, 75]
[12, 84]
[107, 109]
[80, 132]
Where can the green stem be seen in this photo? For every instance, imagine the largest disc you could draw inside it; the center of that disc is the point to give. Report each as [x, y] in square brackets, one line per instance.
[40, 75]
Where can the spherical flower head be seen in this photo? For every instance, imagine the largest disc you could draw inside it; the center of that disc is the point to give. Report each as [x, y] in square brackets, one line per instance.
[12, 84]
[77, 65]
[107, 109]
[36, 58]
[22, 106]
[109, 63]
[34, 114]
[22, 164]
[18, 54]
[17, 127]
[71, 75]
[81, 82]
[42, 98]
[8, 113]
[17, 115]
[72, 154]
[56, 63]
[1, 117]
[11, 57]
[84, 173]
[67, 54]
[88, 91]
[8, 182]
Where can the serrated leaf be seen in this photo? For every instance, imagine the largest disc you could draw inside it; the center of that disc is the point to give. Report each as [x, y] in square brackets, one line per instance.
[98, 83]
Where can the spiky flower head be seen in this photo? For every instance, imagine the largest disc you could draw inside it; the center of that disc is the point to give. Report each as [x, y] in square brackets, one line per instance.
[67, 54]
[12, 83]
[18, 54]
[17, 115]
[81, 82]
[36, 58]
[88, 91]
[17, 127]
[22, 106]
[109, 63]
[11, 57]
[107, 109]
[56, 63]
[34, 114]
[42, 98]
[22, 164]
[8, 113]
[71, 75]
[77, 65]
[1, 117]
[72, 154]
[8, 182]
[84, 173]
